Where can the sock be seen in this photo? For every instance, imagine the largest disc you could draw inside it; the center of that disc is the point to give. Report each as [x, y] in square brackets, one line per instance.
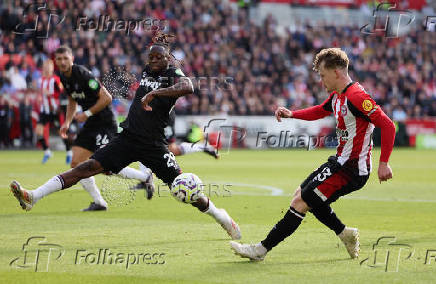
[67, 144]
[187, 148]
[283, 229]
[216, 213]
[43, 142]
[56, 183]
[132, 173]
[90, 186]
[327, 216]
[69, 153]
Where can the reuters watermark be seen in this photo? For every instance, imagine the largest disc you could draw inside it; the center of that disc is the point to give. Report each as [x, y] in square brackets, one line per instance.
[119, 192]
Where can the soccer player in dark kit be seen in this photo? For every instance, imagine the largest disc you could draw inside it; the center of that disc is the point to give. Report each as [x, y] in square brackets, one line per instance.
[99, 126]
[142, 138]
[356, 114]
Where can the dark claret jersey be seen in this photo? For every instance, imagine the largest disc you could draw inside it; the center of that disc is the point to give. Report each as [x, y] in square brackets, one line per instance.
[83, 88]
[149, 125]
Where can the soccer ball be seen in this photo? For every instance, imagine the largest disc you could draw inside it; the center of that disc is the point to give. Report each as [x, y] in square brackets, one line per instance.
[187, 188]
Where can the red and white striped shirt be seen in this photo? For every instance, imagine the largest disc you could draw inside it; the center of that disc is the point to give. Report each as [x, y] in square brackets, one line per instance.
[356, 113]
[50, 89]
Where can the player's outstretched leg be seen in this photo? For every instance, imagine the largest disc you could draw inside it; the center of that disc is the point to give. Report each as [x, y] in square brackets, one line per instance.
[99, 204]
[349, 236]
[69, 155]
[205, 205]
[81, 154]
[40, 137]
[187, 148]
[144, 175]
[283, 229]
[28, 198]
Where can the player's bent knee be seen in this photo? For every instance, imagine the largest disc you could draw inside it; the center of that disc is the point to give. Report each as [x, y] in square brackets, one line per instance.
[297, 191]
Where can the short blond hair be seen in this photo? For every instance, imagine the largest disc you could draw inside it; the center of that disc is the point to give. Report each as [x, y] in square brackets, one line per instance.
[332, 57]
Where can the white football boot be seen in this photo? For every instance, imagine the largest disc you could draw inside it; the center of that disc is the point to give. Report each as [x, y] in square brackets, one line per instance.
[350, 238]
[230, 226]
[23, 196]
[255, 252]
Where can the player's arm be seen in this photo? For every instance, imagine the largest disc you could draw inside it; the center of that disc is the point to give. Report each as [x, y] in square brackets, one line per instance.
[104, 99]
[311, 113]
[365, 106]
[71, 110]
[387, 127]
[183, 87]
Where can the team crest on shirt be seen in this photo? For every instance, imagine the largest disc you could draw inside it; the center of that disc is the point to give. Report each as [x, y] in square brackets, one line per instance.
[343, 110]
[367, 105]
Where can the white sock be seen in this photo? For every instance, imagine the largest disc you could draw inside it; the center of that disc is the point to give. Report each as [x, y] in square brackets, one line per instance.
[188, 148]
[132, 173]
[216, 213]
[52, 185]
[143, 168]
[69, 153]
[47, 152]
[90, 186]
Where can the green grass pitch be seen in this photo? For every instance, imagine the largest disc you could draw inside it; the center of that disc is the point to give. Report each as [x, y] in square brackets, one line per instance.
[195, 249]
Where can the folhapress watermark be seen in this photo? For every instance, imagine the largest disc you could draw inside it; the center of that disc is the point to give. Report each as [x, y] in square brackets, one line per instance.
[106, 256]
[105, 23]
[388, 255]
[39, 255]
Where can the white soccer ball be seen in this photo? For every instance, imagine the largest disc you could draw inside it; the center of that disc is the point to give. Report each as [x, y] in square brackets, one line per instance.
[187, 188]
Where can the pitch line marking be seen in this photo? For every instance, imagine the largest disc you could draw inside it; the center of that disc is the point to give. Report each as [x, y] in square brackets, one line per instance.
[275, 191]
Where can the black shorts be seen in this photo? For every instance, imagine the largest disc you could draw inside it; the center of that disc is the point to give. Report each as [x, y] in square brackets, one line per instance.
[45, 118]
[93, 139]
[331, 181]
[125, 149]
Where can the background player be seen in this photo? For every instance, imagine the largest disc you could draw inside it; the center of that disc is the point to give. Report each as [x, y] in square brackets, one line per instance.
[185, 147]
[142, 138]
[50, 88]
[356, 114]
[99, 121]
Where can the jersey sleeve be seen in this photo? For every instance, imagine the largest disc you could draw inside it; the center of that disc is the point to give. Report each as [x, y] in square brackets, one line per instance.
[58, 84]
[315, 112]
[364, 106]
[91, 84]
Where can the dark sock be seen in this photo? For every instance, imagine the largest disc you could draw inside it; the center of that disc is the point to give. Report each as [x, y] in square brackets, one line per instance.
[43, 143]
[327, 216]
[283, 229]
[67, 144]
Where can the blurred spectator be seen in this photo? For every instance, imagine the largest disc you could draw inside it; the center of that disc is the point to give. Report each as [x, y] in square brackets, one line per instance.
[25, 109]
[213, 41]
[5, 122]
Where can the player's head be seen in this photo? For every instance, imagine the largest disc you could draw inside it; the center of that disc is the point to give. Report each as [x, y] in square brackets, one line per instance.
[64, 58]
[159, 54]
[332, 66]
[47, 68]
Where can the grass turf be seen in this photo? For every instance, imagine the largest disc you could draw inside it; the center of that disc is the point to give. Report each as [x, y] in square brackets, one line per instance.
[195, 249]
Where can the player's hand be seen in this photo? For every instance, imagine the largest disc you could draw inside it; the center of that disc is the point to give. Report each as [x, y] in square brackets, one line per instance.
[384, 172]
[80, 117]
[282, 112]
[63, 131]
[146, 101]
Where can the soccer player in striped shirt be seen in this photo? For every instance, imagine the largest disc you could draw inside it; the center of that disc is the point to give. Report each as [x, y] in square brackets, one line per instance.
[356, 115]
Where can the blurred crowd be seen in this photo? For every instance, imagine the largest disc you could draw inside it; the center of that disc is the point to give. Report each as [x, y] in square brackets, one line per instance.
[238, 68]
